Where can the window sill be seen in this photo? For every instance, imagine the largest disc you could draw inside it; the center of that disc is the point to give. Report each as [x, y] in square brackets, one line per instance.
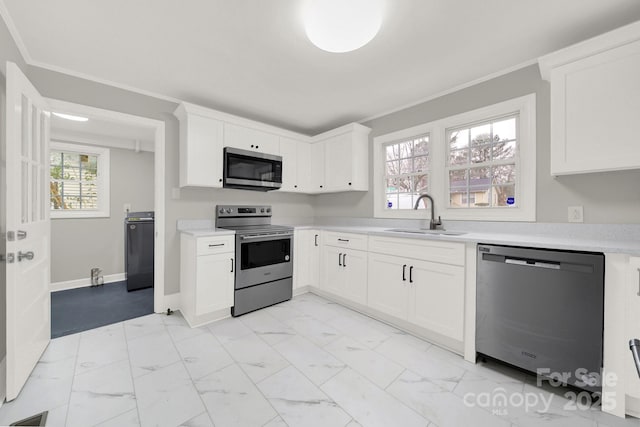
[79, 215]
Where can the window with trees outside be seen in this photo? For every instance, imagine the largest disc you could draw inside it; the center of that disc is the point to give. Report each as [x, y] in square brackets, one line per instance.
[79, 181]
[406, 171]
[481, 164]
[476, 165]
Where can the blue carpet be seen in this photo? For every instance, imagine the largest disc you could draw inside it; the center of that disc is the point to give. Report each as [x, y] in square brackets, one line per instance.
[78, 310]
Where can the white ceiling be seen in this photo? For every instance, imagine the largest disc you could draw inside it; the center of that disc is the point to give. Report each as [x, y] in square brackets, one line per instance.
[252, 58]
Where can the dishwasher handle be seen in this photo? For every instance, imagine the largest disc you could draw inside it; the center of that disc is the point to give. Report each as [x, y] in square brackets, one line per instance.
[532, 263]
[634, 346]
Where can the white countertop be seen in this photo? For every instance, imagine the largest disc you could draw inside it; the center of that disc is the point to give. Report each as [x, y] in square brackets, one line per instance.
[631, 247]
[550, 241]
[204, 232]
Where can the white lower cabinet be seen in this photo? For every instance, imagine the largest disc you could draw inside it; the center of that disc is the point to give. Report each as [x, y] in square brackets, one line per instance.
[633, 323]
[427, 294]
[388, 292]
[306, 258]
[214, 282]
[344, 273]
[207, 267]
[436, 298]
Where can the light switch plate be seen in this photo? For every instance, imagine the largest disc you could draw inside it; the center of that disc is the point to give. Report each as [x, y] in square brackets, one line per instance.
[576, 214]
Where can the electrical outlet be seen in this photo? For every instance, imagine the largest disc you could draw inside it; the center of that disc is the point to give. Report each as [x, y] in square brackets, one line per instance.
[127, 207]
[576, 214]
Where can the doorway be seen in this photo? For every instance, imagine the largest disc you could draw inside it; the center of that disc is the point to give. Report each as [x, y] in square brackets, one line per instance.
[119, 165]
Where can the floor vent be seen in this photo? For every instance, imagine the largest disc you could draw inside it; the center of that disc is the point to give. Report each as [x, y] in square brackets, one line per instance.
[36, 420]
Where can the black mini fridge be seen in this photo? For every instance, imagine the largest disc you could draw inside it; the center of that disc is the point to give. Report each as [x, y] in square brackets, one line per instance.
[139, 238]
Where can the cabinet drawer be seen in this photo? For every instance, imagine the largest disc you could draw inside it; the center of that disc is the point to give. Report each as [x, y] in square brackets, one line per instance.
[345, 240]
[215, 245]
[427, 250]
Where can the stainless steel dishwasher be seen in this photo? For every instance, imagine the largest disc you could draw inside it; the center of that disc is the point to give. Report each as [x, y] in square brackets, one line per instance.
[542, 310]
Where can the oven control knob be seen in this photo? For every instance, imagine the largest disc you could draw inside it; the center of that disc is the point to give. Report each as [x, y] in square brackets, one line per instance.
[268, 210]
[262, 210]
[229, 210]
[221, 210]
[286, 257]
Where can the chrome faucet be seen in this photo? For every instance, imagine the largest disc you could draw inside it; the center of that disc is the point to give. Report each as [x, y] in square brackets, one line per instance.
[433, 224]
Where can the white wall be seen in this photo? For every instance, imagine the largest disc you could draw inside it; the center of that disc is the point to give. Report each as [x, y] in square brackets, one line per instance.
[193, 203]
[77, 245]
[612, 197]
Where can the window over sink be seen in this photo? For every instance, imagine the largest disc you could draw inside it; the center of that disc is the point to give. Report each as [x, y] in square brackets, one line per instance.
[406, 171]
[478, 165]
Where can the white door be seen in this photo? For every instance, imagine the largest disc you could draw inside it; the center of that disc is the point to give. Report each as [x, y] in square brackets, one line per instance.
[301, 258]
[317, 168]
[437, 297]
[388, 289]
[355, 266]
[314, 258]
[28, 229]
[303, 179]
[334, 276]
[338, 158]
[289, 153]
[632, 324]
[251, 139]
[214, 282]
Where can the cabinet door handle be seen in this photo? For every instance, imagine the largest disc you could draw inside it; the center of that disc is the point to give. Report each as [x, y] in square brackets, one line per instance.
[411, 274]
[340, 260]
[404, 273]
[639, 282]
[343, 240]
[231, 265]
[344, 260]
[315, 239]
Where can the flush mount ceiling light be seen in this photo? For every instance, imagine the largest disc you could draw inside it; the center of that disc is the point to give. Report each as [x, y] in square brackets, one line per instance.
[342, 25]
[71, 117]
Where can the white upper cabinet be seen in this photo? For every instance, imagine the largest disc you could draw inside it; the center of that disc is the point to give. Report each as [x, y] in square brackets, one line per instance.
[247, 138]
[296, 161]
[332, 162]
[317, 168]
[595, 103]
[201, 142]
[346, 159]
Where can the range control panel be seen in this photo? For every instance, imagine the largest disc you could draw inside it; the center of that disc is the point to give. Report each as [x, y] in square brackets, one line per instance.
[223, 211]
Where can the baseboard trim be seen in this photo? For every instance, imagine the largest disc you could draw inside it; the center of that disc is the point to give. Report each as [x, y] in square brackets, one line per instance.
[171, 301]
[3, 380]
[301, 290]
[83, 283]
[632, 406]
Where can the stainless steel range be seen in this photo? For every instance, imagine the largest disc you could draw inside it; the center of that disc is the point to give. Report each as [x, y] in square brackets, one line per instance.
[264, 257]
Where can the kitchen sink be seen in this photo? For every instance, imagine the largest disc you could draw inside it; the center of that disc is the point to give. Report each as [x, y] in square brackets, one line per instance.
[427, 231]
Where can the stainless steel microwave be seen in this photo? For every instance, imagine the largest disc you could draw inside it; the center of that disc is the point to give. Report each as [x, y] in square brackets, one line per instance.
[250, 170]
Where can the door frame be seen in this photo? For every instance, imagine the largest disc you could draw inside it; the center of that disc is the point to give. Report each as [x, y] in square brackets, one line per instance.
[159, 303]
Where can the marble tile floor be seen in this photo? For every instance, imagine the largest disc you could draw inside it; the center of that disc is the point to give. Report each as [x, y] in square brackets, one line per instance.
[305, 362]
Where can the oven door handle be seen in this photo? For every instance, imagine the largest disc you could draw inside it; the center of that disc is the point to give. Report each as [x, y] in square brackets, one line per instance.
[266, 236]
